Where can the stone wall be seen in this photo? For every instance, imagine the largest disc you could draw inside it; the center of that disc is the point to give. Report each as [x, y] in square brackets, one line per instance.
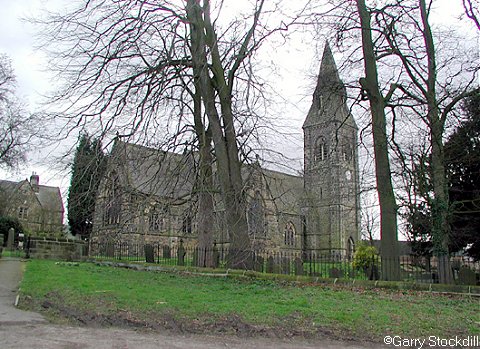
[63, 249]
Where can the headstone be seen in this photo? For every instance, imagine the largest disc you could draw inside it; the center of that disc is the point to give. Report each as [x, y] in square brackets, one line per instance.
[285, 265]
[336, 273]
[270, 264]
[149, 254]
[195, 257]
[258, 263]
[466, 276]
[298, 264]
[215, 256]
[167, 252]
[110, 250]
[372, 272]
[181, 254]
[21, 237]
[11, 238]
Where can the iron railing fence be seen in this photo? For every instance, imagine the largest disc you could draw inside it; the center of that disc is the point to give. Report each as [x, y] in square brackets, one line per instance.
[412, 268]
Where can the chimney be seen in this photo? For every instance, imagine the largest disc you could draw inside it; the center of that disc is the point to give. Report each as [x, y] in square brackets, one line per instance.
[34, 181]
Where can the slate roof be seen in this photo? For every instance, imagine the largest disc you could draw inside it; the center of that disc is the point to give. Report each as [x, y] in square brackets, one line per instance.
[49, 197]
[172, 175]
[154, 172]
[286, 190]
[8, 187]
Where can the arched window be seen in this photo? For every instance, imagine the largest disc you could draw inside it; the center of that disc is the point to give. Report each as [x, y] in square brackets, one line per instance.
[289, 234]
[187, 222]
[320, 151]
[256, 216]
[347, 152]
[157, 219]
[350, 248]
[113, 203]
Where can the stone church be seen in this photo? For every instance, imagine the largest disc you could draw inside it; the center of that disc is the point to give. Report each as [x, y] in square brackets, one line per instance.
[147, 195]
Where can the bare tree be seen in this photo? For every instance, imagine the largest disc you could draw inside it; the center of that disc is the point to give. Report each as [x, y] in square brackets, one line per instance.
[410, 83]
[378, 102]
[17, 127]
[161, 72]
[428, 90]
[472, 11]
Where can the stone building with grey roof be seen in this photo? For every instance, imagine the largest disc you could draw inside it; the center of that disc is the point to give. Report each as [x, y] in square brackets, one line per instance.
[147, 195]
[39, 208]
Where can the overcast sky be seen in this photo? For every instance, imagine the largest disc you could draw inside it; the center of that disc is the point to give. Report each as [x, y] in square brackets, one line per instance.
[30, 66]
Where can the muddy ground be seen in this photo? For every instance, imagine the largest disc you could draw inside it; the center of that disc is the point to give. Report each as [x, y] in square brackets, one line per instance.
[57, 311]
[72, 328]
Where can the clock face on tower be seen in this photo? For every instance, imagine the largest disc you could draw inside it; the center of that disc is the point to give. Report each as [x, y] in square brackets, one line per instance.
[348, 175]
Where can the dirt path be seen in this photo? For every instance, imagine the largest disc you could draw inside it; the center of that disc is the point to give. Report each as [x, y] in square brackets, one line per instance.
[11, 270]
[20, 329]
[47, 336]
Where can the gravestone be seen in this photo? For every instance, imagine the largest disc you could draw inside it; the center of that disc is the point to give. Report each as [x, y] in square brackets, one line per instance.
[270, 265]
[110, 250]
[195, 257]
[149, 254]
[298, 264]
[336, 273]
[258, 263]
[167, 252]
[11, 238]
[215, 256]
[285, 265]
[181, 254]
[466, 276]
[21, 238]
[371, 272]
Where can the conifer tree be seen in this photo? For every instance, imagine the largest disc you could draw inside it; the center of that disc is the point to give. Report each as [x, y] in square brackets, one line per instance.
[462, 163]
[87, 170]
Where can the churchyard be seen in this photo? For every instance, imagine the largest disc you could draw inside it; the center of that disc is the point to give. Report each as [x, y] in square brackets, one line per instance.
[98, 295]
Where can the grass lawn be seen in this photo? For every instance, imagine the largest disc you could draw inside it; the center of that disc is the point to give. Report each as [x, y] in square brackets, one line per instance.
[12, 253]
[311, 309]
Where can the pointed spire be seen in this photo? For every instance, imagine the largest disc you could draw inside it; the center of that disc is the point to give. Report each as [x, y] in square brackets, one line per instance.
[327, 58]
[328, 79]
[330, 93]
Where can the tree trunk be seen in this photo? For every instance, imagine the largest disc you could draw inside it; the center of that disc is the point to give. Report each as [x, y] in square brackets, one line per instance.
[222, 127]
[388, 207]
[205, 208]
[204, 186]
[440, 234]
[437, 125]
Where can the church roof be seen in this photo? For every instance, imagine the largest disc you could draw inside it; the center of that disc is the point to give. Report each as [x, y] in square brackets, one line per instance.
[285, 190]
[330, 95]
[152, 171]
[172, 175]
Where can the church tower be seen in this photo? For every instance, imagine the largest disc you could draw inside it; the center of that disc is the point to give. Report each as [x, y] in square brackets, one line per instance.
[331, 181]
